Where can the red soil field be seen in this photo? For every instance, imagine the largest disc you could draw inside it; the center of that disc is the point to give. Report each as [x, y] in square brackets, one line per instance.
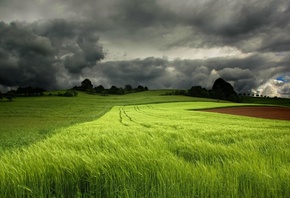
[270, 112]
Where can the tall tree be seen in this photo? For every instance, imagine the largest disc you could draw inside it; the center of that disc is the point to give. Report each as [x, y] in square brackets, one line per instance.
[224, 90]
[128, 88]
[113, 90]
[87, 85]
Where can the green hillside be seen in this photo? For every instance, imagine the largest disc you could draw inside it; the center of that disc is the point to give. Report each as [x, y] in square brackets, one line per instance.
[139, 145]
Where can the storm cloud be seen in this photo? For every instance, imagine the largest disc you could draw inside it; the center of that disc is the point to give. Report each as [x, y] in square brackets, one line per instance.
[157, 43]
[34, 54]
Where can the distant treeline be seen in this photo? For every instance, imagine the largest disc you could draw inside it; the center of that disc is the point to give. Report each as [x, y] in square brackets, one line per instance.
[87, 86]
[221, 90]
[22, 91]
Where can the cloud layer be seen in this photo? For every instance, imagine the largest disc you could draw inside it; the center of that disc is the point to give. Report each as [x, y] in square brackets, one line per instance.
[157, 43]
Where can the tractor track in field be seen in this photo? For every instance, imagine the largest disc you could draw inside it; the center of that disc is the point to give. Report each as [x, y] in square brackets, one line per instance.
[125, 118]
[137, 108]
[123, 115]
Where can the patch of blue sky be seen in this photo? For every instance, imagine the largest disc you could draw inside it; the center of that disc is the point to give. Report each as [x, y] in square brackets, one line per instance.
[284, 78]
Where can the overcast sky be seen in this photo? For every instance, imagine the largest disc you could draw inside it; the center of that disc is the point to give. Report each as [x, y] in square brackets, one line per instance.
[156, 43]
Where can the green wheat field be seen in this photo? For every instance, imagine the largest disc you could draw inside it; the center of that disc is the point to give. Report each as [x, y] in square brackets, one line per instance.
[139, 145]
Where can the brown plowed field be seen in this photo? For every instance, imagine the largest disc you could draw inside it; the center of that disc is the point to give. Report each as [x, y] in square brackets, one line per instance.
[279, 113]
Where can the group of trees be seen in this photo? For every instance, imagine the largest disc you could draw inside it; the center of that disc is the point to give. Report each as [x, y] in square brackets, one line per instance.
[8, 96]
[23, 91]
[87, 86]
[255, 95]
[29, 91]
[221, 90]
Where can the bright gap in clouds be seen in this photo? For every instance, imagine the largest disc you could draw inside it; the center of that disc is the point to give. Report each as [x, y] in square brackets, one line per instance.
[279, 87]
[129, 53]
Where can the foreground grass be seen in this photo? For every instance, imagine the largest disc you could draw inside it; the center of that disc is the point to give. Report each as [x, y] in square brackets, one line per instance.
[159, 150]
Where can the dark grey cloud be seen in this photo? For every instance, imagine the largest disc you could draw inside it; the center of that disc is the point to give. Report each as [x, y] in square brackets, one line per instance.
[56, 29]
[85, 53]
[232, 18]
[88, 43]
[33, 54]
[27, 59]
[247, 25]
[141, 14]
[54, 43]
[133, 72]
[276, 42]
